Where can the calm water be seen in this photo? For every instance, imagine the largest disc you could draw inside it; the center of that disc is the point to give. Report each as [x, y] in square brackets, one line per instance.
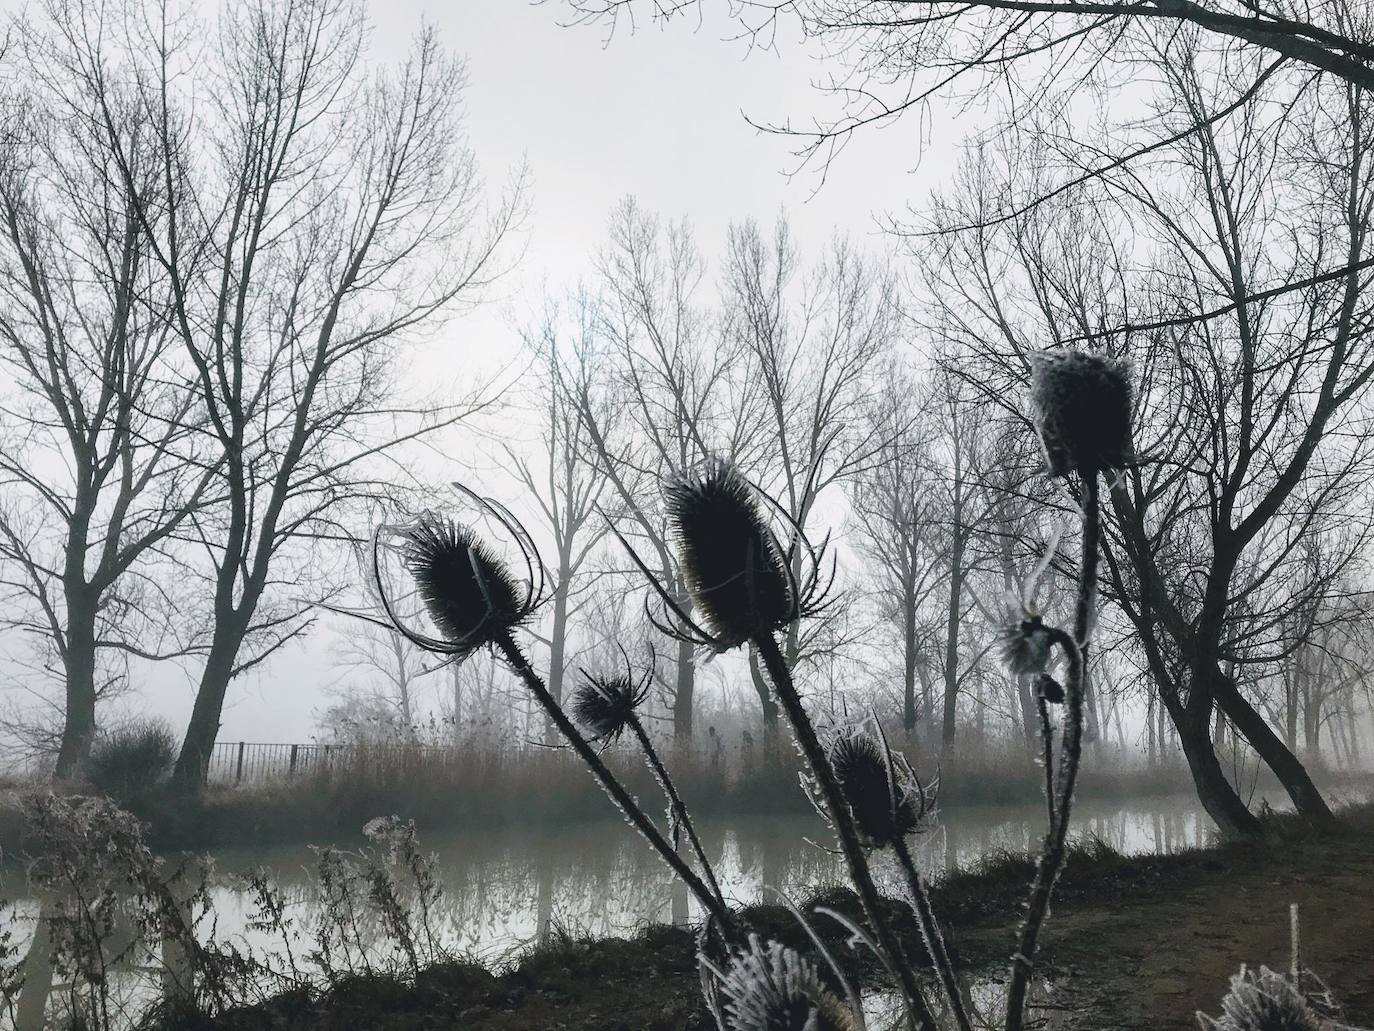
[503, 889]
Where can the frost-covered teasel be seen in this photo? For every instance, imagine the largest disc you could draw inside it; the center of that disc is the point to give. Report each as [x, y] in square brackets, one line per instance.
[882, 792]
[469, 593]
[472, 597]
[1081, 404]
[744, 583]
[604, 706]
[1026, 646]
[1264, 1000]
[769, 987]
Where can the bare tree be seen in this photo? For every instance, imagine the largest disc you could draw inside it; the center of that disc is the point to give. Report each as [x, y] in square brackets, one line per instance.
[817, 340]
[672, 374]
[100, 462]
[309, 216]
[565, 487]
[894, 511]
[1249, 397]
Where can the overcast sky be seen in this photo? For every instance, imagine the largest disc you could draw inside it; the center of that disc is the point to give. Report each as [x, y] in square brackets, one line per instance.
[659, 114]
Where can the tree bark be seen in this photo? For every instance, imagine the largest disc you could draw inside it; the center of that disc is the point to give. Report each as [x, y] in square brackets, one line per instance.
[1290, 771]
[1214, 791]
[682, 694]
[78, 727]
[202, 729]
[558, 633]
[956, 593]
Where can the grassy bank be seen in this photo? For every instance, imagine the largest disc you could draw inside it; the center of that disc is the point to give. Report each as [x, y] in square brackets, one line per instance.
[490, 788]
[1134, 944]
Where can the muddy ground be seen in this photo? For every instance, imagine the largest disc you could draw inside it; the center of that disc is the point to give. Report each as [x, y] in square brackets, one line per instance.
[1132, 944]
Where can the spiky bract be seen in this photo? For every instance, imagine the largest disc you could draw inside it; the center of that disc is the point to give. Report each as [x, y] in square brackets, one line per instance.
[469, 593]
[1026, 646]
[1049, 689]
[729, 558]
[1263, 1001]
[1082, 409]
[882, 796]
[604, 706]
[769, 987]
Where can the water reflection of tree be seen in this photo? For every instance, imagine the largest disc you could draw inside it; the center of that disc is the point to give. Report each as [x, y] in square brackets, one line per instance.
[506, 890]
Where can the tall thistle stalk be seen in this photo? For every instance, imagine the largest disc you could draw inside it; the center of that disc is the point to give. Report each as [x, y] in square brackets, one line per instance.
[607, 707]
[475, 602]
[747, 588]
[838, 808]
[1082, 407]
[931, 934]
[888, 804]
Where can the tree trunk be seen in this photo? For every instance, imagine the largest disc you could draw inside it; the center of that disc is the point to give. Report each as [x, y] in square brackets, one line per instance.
[1150, 728]
[909, 667]
[558, 633]
[78, 725]
[682, 694]
[1214, 791]
[1256, 730]
[927, 717]
[203, 728]
[956, 593]
[1093, 731]
[1029, 731]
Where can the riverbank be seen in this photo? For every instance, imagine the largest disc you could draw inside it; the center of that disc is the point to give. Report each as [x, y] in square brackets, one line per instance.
[550, 788]
[1133, 944]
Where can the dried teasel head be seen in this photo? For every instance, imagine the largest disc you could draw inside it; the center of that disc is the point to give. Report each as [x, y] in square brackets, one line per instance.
[1263, 1001]
[1082, 410]
[1026, 645]
[469, 593]
[605, 705]
[743, 583]
[729, 558]
[885, 799]
[472, 597]
[769, 987]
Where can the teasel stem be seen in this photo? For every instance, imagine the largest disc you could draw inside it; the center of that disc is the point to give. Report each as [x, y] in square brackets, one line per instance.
[833, 797]
[1052, 855]
[1046, 755]
[627, 805]
[675, 803]
[930, 932]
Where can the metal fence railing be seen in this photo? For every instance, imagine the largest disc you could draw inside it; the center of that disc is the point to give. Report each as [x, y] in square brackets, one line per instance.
[244, 762]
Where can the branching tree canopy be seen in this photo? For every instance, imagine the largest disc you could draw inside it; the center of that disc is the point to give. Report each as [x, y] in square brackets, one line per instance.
[301, 217]
[101, 456]
[1253, 424]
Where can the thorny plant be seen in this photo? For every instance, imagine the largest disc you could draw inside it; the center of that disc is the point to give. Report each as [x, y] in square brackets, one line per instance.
[747, 584]
[474, 601]
[387, 894]
[111, 911]
[748, 587]
[108, 905]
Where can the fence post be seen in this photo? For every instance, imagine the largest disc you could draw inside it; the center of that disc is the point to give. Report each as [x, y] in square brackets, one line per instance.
[238, 767]
[292, 771]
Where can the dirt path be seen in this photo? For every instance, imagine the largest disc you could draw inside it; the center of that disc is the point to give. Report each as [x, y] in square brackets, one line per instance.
[1154, 958]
